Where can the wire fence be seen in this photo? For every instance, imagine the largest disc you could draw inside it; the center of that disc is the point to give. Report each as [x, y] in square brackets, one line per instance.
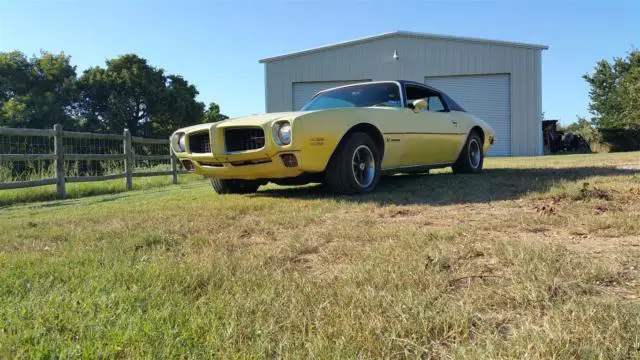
[34, 157]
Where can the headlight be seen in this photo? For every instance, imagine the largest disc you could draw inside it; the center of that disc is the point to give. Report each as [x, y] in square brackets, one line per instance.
[178, 142]
[282, 133]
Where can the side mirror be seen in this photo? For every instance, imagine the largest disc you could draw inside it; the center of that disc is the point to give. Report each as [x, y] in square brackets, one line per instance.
[419, 105]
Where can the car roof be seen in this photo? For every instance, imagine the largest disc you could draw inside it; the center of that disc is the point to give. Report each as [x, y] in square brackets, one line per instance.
[409, 82]
[401, 82]
[452, 104]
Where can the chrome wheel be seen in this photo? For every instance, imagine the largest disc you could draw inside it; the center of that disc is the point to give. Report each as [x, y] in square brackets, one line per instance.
[475, 153]
[363, 166]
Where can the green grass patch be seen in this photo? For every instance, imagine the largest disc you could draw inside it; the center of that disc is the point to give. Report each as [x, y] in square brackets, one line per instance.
[519, 262]
[79, 190]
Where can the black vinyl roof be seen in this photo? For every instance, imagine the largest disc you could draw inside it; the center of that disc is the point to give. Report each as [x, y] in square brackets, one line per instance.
[409, 82]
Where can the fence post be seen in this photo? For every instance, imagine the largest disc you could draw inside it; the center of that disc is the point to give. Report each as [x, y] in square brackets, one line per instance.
[174, 166]
[128, 159]
[59, 152]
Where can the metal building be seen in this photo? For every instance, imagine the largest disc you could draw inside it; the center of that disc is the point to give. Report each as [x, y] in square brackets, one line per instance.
[498, 81]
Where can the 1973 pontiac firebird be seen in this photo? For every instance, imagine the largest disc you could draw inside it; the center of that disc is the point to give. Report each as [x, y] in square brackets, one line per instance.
[345, 137]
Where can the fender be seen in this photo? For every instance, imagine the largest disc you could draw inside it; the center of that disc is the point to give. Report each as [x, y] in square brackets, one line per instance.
[367, 128]
[467, 138]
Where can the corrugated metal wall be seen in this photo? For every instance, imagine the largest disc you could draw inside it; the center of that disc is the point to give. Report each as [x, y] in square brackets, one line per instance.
[420, 58]
[485, 96]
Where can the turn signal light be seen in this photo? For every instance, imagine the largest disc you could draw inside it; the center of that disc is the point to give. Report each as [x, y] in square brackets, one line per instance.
[289, 160]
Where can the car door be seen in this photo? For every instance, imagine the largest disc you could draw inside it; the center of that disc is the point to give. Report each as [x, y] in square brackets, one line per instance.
[436, 136]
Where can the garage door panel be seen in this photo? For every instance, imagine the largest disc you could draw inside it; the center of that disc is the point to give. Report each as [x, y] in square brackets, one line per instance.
[485, 96]
[304, 91]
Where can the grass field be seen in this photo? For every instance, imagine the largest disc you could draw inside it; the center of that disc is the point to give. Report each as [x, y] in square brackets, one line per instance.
[535, 258]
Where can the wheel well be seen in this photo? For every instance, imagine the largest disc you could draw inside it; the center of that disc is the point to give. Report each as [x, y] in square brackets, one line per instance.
[479, 131]
[369, 130]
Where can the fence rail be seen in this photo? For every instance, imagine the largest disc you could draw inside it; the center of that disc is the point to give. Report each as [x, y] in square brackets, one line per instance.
[59, 156]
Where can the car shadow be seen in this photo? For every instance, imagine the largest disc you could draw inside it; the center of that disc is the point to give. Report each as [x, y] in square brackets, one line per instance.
[448, 189]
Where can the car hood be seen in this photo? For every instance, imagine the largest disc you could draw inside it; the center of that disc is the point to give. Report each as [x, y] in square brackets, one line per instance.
[258, 120]
[251, 120]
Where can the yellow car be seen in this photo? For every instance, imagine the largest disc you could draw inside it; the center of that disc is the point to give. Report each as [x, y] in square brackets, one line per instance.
[345, 137]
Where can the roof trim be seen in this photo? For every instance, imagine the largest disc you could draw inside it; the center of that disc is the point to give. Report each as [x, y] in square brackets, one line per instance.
[406, 34]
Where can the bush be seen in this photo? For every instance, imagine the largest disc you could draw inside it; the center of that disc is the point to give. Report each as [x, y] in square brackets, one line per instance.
[621, 139]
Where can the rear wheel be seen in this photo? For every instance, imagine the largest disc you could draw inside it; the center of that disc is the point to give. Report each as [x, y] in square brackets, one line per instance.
[355, 167]
[222, 186]
[471, 157]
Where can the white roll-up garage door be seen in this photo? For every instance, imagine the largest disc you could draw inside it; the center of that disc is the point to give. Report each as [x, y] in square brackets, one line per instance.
[304, 91]
[485, 96]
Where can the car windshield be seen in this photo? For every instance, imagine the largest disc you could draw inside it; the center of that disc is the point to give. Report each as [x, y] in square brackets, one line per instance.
[363, 95]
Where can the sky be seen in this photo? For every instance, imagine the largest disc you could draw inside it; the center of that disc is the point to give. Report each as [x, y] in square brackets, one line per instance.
[216, 44]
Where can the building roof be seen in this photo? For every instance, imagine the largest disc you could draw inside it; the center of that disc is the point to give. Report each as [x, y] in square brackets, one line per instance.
[406, 34]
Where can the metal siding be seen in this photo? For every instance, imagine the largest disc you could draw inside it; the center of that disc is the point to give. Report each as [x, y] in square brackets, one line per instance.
[485, 96]
[420, 58]
[304, 91]
[538, 94]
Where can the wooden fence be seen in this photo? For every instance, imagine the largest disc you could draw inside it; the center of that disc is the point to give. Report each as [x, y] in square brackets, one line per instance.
[58, 157]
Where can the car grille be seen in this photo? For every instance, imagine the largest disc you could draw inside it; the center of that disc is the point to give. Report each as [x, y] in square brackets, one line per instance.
[199, 143]
[243, 139]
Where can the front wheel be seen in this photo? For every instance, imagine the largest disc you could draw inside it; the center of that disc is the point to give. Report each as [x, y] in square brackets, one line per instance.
[222, 186]
[355, 167]
[471, 157]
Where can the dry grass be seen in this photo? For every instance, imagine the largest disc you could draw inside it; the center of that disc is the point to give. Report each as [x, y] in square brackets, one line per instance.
[536, 258]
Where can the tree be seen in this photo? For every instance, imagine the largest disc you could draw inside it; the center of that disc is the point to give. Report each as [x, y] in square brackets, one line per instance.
[94, 92]
[15, 75]
[615, 91]
[130, 93]
[178, 107]
[37, 92]
[584, 128]
[213, 114]
[630, 96]
[124, 95]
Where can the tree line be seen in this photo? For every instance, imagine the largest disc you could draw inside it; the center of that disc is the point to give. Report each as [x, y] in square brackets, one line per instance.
[614, 103]
[128, 92]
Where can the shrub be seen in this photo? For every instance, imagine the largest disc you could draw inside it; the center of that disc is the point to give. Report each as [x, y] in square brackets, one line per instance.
[621, 139]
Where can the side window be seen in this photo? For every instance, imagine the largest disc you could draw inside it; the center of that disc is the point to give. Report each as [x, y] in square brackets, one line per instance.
[415, 93]
[433, 98]
[435, 104]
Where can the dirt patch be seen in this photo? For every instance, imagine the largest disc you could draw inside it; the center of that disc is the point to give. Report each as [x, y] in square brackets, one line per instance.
[629, 167]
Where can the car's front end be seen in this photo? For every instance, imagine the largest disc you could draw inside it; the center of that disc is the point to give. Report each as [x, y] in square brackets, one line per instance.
[249, 148]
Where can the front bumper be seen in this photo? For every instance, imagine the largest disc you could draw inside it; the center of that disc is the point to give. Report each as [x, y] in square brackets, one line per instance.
[491, 139]
[245, 168]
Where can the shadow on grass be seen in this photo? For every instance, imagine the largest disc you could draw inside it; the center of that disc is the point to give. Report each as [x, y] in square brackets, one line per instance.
[446, 189]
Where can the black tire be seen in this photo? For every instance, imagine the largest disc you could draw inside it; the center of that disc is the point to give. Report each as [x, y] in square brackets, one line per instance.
[222, 187]
[349, 172]
[471, 157]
